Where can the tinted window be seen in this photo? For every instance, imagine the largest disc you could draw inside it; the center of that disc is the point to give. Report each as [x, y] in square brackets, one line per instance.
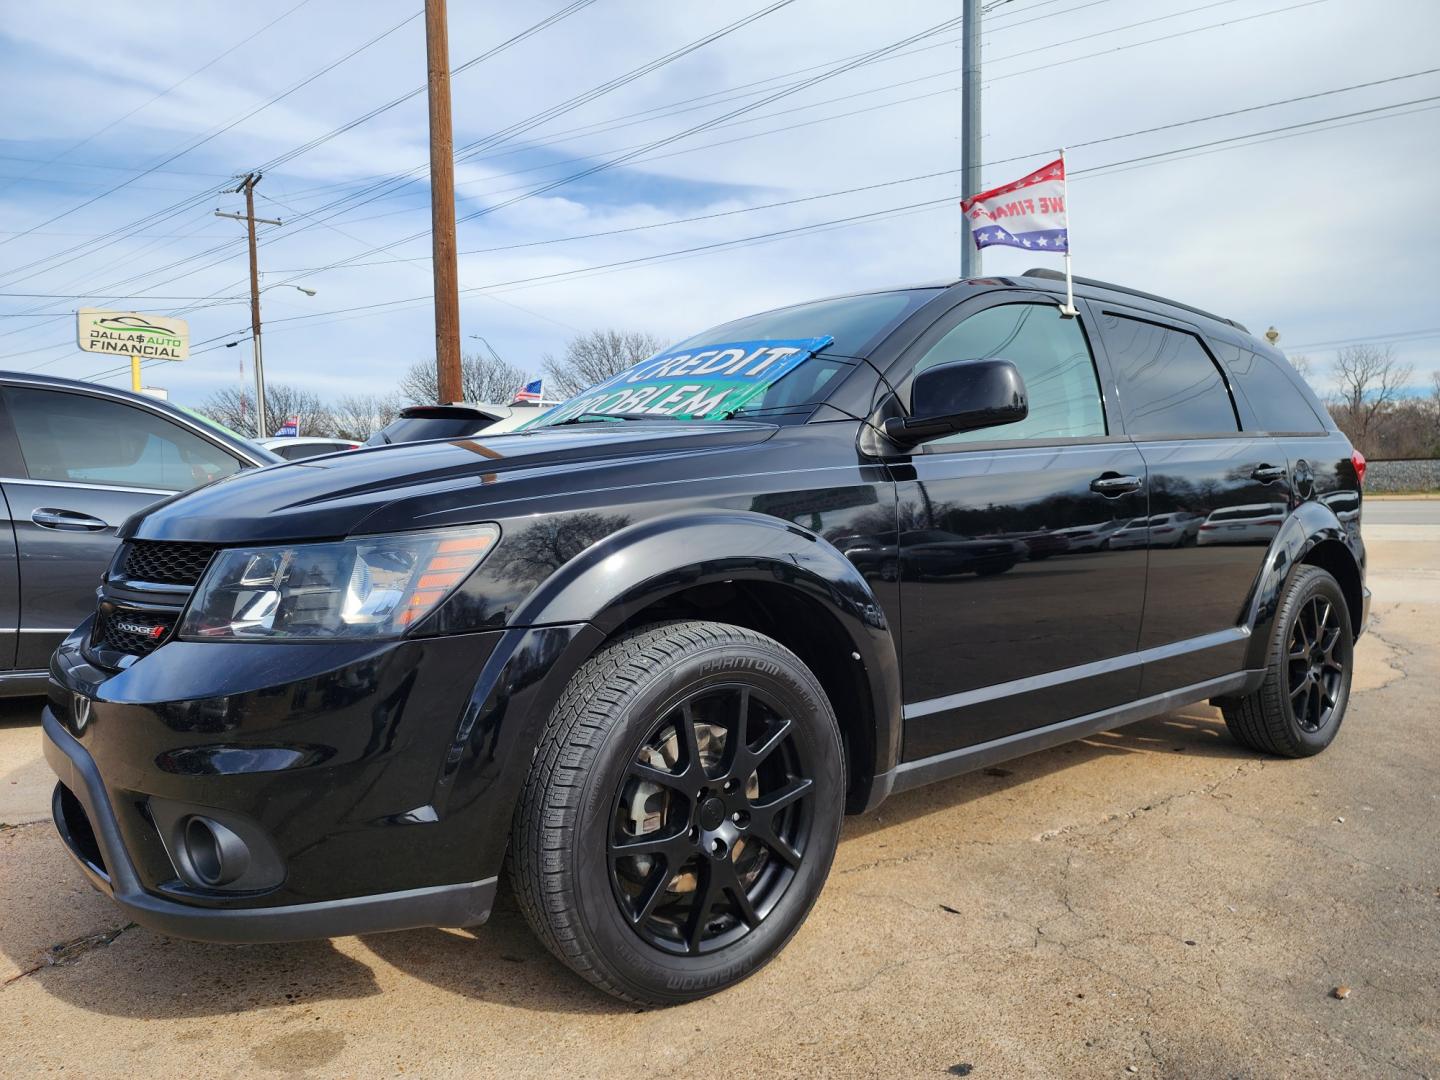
[1279, 404]
[1053, 359]
[79, 439]
[1168, 383]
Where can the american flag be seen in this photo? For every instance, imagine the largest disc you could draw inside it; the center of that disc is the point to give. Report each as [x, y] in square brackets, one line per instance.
[531, 391]
[1029, 213]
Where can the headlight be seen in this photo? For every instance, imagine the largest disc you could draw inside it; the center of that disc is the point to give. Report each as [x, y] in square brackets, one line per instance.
[369, 587]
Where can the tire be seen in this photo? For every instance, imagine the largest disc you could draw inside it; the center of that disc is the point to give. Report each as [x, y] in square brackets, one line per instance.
[741, 831]
[1299, 707]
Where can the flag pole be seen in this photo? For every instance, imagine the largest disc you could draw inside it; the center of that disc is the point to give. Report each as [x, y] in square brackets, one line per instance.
[1068, 311]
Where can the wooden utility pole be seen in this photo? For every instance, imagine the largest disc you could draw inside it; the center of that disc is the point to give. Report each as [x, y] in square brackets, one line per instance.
[247, 185]
[442, 206]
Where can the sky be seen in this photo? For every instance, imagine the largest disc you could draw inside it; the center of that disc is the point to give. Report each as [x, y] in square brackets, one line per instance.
[1228, 154]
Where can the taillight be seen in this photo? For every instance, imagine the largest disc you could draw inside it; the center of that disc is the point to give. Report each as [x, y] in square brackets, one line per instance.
[1358, 460]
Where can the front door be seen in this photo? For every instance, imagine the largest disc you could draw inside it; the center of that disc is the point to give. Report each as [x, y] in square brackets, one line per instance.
[89, 463]
[1016, 611]
[1217, 496]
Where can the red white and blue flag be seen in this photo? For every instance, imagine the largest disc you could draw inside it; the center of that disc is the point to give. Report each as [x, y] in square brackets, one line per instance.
[529, 392]
[290, 427]
[1029, 213]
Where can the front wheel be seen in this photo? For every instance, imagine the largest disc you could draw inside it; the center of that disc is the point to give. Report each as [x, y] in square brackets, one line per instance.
[1298, 709]
[682, 811]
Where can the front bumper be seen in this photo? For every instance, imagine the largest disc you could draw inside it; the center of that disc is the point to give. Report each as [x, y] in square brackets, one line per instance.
[95, 842]
[371, 786]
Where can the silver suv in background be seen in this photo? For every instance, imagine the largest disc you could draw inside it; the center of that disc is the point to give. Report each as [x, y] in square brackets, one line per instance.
[76, 460]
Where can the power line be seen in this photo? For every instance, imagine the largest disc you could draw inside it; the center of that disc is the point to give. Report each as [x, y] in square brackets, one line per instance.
[151, 101]
[573, 7]
[903, 180]
[377, 308]
[861, 56]
[216, 132]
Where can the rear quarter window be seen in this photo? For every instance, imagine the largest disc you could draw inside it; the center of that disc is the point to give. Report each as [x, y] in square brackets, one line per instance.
[1278, 401]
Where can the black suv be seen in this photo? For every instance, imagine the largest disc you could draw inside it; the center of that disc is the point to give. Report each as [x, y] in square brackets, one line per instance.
[655, 645]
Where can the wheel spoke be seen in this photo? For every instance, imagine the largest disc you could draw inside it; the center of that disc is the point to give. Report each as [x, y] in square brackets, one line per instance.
[667, 845]
[705, 898]
[762, 828]
[649, 773]
[773, 738]
[731, 885]
[1304, 685]
[689, 741]
[653, 893]
[796, 789]
[1299, 634]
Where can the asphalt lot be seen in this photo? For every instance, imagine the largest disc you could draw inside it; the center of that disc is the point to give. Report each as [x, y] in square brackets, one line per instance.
[1154, 899]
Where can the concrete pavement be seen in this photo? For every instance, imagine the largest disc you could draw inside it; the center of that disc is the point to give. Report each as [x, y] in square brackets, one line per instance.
[1154, 899]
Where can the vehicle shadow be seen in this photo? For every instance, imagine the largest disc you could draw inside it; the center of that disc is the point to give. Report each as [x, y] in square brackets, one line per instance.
[501, 962]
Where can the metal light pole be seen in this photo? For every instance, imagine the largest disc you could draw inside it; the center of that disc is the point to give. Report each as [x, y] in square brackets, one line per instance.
[970, 127]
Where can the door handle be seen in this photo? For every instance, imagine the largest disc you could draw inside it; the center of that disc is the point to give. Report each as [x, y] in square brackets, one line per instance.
[1268, 474]
[1112, 485]
[67, 520]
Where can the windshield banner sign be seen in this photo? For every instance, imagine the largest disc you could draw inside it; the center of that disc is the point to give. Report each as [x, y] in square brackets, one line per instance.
[691, 381]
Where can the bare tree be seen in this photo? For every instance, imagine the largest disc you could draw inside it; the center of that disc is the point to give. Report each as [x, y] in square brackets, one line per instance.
[1369, 380]
[482, 378]
[595, 356]
[358, 416]
[236, 409]
[1304, 366]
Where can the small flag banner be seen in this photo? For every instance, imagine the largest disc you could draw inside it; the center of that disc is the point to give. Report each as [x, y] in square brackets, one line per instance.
[290, 427]
[1029, 213]
[531, 391]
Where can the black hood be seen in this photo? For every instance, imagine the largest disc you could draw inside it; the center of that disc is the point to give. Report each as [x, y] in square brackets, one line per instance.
[424, 484]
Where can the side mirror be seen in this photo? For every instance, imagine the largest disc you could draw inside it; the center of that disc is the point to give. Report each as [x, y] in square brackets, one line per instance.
[963, 396]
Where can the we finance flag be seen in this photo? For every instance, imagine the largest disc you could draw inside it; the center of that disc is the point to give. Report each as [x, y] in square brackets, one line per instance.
[1030, 213]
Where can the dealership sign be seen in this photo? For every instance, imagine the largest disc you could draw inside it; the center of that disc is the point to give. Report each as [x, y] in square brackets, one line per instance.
[689, 382]
[127, 333]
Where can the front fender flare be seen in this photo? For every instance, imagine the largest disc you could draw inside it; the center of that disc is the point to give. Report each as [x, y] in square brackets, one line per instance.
[626, 572]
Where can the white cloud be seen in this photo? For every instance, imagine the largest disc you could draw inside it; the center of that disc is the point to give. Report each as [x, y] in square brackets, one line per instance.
[1327, 235]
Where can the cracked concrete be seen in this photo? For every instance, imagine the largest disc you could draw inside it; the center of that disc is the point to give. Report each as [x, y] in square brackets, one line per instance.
[1153, 898]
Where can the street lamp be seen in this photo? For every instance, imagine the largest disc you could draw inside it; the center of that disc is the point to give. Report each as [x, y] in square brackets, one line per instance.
[1272, 335]
[259, 354]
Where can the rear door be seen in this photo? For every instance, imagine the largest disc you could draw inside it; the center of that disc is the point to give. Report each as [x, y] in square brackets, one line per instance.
[1180, 411]
[88, 462]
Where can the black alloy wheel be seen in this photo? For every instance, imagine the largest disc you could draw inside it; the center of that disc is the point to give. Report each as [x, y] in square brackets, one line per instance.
[711, 821]
[681, 812]
[1300, 704]
[1317, 665]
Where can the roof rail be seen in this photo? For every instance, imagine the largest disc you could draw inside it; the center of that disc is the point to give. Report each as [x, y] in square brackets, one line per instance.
[1047, 274]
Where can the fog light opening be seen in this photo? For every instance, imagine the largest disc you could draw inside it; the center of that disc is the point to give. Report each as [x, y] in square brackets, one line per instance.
[217, 856]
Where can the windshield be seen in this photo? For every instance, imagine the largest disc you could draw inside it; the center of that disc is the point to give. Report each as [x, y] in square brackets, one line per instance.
[775, 366]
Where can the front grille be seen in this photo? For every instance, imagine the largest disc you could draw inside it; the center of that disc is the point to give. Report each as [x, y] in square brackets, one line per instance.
[165, 563]
[133, 632]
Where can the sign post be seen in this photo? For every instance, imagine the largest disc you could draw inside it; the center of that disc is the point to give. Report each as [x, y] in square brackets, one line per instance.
[128, 333]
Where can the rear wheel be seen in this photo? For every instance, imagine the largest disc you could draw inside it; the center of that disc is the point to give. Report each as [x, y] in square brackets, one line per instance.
[681, 813]
[1299, 707]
